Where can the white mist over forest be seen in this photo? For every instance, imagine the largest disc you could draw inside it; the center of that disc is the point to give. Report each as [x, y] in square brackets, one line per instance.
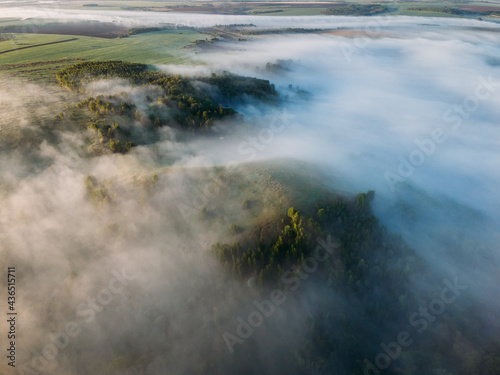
[408, 107]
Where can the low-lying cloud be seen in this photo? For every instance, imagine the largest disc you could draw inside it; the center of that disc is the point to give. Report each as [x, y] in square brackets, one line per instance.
[417, 101]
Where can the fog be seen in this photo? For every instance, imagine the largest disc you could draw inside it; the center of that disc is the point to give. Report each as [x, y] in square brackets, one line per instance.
[409, 110]
[141, 19]
[378, 101]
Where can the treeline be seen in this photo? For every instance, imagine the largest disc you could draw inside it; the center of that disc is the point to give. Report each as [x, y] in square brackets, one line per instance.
[289, 30]
[119, 139]
[75, 76]
[110, 134]
[143, 30]
[187, 103]
[100, 107]
[355, 10]
[235, 25]
[368, 267]
[267, 11]
[233, 86]
[266, 262]
[364, 247]
[446, 10]
[278, 67]
[140, 30]
[366, 284]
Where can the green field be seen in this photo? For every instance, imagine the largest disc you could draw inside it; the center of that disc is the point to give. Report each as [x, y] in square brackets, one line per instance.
[203, 7]
[164, 47]
[402, 9]
[258, 8]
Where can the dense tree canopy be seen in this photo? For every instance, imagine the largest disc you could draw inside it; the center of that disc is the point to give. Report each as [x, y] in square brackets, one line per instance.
[355, 10]
[372, 271]
[197, 101]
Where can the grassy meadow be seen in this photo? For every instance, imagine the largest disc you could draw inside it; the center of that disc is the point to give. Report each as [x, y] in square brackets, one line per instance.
[42, 62]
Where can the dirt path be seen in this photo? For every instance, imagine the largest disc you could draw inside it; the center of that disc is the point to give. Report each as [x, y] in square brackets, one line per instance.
[38, 45]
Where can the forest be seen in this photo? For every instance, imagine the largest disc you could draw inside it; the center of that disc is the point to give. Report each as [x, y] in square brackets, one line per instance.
[370, 268]
[189, 103]
[355, 10]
